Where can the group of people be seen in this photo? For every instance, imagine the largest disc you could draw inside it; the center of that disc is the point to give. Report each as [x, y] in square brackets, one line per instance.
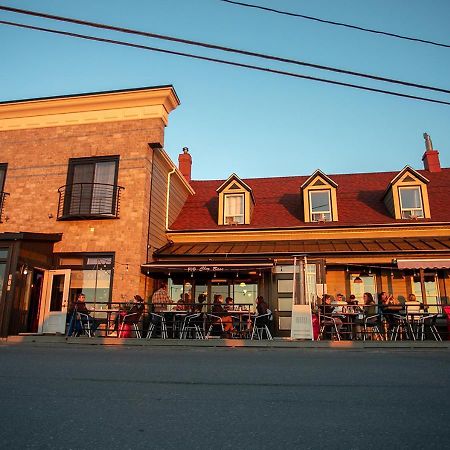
[80, 318]
[367, 313]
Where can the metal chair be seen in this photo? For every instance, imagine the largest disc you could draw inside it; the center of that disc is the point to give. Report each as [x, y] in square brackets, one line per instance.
[328, 321]
[401, 325]
[85, 322]
[132, 320]
[260, 326]
[430, 322]
[155, 320]
[214, 321]
[371, 327]
[191, 327]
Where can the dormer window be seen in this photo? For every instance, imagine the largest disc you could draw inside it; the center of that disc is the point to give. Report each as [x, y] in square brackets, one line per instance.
[234, 209]
[410, 202]
[319, 198]
[236, 202]
[320, 206]
[407, 195]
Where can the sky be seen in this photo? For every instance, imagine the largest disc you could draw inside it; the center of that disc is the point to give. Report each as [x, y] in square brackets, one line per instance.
[251, 123]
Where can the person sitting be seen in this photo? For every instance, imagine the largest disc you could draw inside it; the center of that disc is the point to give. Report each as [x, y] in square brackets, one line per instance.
[198, 308]
[369, 311]
[85, 317]
[326, 309]
[229, 304]
[181, 305]
[227, 320]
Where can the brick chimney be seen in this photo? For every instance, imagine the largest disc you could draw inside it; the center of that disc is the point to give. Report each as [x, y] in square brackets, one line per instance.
[431, 156]
[185, 164]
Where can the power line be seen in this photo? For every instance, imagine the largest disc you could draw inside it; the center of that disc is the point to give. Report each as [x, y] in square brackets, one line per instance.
[340, 24]
[222, 48]
[223, 61]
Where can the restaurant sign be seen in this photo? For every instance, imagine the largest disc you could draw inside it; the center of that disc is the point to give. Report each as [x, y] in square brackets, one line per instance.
[205, 269]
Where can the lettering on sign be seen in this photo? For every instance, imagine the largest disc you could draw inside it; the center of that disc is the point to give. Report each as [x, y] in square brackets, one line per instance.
[205, 269]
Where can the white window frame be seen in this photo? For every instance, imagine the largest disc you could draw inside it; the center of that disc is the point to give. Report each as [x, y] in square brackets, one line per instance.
[411, 211]
[322, 214]
[237, 218]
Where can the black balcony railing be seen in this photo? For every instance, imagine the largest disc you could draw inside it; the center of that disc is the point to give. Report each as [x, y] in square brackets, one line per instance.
[89, 200]
[3, 196]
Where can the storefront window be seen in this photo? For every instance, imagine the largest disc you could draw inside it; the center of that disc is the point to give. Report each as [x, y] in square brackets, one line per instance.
[363, 283]
[90, 274]
[431, 291]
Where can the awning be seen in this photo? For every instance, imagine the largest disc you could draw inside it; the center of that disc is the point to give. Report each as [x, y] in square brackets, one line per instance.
[319, 247]
[205, 268]
[423, 263]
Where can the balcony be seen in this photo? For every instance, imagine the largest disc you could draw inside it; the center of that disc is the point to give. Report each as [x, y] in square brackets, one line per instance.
[3, 196]
[89, 201]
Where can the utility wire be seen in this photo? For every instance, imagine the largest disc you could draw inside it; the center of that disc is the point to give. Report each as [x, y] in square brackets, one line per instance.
[218, 47]
[223, 61]
[340, 24]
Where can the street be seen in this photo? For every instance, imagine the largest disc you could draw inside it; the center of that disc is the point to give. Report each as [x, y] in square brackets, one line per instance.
[76, 397]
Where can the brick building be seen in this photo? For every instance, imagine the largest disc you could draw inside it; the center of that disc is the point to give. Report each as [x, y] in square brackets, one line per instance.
[84, 185]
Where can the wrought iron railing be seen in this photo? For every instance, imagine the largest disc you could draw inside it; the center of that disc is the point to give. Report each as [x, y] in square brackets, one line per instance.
[89, 200]
[3, 196]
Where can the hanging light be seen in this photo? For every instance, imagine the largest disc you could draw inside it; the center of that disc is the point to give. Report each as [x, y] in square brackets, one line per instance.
[242, 284]
[358, 280]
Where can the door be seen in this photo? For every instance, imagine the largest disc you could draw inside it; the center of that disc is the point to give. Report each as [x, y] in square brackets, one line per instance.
[55, 297]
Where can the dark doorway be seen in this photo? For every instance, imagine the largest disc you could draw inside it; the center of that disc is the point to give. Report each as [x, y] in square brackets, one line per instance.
[35, 301]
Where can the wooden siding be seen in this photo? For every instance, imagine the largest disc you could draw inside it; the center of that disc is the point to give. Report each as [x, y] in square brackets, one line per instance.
[157, 226]
[177, 197]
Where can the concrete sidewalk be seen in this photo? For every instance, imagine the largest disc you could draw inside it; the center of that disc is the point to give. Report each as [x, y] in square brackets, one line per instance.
[276, 343]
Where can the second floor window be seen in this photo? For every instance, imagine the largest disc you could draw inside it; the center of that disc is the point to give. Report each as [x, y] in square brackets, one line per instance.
[2, 187]
[234, 209]
[411, 202]
[320, 206]
[91, 187]
[2, 176]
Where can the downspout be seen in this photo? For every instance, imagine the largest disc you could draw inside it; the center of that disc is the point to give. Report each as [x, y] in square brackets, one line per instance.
[169, 177]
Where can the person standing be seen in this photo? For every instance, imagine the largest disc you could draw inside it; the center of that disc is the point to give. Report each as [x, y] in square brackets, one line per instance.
[160, 299]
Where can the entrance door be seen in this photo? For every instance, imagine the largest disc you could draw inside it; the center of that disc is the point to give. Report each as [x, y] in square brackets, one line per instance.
[55, 296]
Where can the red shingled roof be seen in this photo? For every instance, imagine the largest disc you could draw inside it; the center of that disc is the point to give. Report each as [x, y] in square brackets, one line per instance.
[279, 202]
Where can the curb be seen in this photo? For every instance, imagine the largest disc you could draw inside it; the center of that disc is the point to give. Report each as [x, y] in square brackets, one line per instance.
[230, 343]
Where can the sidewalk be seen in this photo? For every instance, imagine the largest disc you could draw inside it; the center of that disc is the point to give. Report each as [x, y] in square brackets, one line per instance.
[276, 343]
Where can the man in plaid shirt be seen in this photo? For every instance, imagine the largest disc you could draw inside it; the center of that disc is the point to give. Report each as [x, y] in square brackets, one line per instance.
[160, 298]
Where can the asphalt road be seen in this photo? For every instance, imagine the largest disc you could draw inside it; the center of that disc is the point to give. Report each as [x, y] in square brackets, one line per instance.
[78, 397]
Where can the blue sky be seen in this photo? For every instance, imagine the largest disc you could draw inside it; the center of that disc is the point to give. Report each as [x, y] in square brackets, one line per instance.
[236, 120]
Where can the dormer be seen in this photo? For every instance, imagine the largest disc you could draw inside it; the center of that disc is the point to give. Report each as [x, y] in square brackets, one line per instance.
[236, 202]
[319, 198]
[407, 196]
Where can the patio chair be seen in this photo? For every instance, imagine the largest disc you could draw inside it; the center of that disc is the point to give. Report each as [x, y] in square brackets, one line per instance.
[85, 321]
[260, 327]
[191, 327]
[155, 321]
[372, 327]
[328, 321]
[428, 322]
[128, 321]
[215, 322]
